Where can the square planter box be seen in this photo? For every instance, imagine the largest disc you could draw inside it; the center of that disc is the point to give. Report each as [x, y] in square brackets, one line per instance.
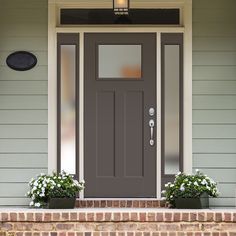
[61, 203]
[192, 203]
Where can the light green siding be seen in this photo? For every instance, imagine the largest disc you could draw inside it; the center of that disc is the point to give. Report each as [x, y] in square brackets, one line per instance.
[23, 99]
[214, 94]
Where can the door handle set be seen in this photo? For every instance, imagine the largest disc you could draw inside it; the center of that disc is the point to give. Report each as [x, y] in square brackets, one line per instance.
[151, 125]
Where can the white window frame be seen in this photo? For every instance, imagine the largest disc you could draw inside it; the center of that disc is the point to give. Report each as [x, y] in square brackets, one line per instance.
[54, 27]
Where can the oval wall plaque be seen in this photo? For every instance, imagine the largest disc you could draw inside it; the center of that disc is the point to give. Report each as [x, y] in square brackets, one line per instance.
[21, 60]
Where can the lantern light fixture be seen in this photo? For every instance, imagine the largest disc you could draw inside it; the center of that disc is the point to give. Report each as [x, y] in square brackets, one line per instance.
[121, 7]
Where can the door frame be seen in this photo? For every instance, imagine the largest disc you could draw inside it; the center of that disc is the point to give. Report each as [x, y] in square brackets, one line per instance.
[52, 86]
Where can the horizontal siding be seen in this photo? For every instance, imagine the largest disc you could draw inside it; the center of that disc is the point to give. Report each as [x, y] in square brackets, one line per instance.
[23, 117]
[23, 131]
[37, 73]
[19, 175]
[207, 72]
[214, 95]
[14, 201]
[23, 102]
[216, 160]
[23, 87]
[214, 116]
[23, 99]
[214, 102]
[26, 160]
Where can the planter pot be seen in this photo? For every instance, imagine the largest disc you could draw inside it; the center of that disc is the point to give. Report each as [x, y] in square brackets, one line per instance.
[193, 203]
[61, 203]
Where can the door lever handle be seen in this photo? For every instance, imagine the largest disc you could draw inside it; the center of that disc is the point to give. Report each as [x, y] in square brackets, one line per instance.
[151, 125]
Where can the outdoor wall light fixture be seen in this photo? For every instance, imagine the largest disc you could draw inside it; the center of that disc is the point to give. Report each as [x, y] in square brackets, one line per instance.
[121, 7]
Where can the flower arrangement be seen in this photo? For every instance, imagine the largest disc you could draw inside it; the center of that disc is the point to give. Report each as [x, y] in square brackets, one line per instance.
[189, 186]
[44, 187]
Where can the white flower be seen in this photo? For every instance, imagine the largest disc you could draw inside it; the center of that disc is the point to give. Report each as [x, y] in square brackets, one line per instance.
[36, 183]
[163, 198]
[58, 185]
[179, 173]
[163, 191]
[182, 188]
[42, 195]
[195, 183]
[197, 170]
[31, 203]
[204, 182]
[37, 204]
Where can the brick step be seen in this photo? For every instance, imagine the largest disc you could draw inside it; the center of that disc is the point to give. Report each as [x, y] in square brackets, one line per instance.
[119, 203]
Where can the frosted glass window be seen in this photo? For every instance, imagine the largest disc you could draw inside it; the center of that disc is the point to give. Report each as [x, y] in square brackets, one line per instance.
[68, 123]
[172, 108]
[119, 61]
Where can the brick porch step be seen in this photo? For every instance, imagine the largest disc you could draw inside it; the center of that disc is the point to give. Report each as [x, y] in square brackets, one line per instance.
[120, 203]
[117, 222]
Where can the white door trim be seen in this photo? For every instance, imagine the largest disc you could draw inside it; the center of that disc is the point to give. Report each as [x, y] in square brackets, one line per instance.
[52, 84]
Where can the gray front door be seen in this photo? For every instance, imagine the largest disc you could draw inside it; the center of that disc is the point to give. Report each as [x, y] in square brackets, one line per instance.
[120, 89]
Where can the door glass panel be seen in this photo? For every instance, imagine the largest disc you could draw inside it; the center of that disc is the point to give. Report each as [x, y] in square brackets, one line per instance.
[171, 109]
[68, 124]
[119, 61]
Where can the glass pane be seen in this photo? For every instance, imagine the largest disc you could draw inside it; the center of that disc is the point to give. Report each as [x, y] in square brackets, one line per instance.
[172, 129]
[68, 127]
[119, 61]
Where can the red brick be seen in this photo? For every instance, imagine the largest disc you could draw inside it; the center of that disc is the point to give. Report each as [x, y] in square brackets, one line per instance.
[159, 217]
[146, 233]
[185, 216]
[172, 233]
[38, 216]
[103, 204]
[218, 217]
[189, 227]
[142, 204]
[47, 217]
[122, 203]
[163, 234]
[130, 233]
[79, 234]
[134, 216]
[62, 234]
[56, 216]
[149, 204]
[116, 203]
[116, 216]
[125, 216]
[82, 216]
[135, 203]
[71, 234]
[28, 234]
[215, 234]
[107, 216]
[90, 216]
[89, 203]
[4, 217]
[36, 234]
[201, 216]
[6, 226]
[65, 216]
[169, 227]
[45, 233]
[227, 217]
[168, 216]
[151, 216]
[13, 216]
[64, 226]
[21, 216]
[109, 203]
[129, 203]
[210, 216]
[99, 216]
[18, 234]
[96, 203]
[30, 216]
[73, 216]
[104, 233]
[177, 216]
[142, 217]
[232, 233]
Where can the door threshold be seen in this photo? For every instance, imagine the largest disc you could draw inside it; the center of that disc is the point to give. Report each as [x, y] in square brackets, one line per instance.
[120, 203]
